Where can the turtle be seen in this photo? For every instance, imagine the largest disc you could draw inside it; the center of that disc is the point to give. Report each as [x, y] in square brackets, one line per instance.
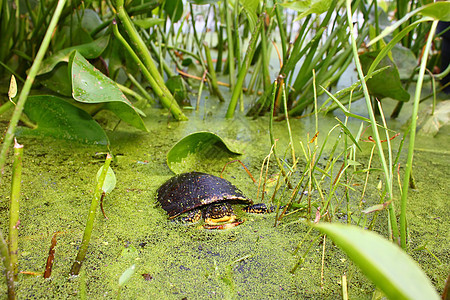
[201, 195]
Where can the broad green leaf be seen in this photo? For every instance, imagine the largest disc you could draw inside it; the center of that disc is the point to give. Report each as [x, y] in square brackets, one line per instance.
[386, 83]
[431, 120]
[80, 35]
[126, 276]
[58, 80]
[59, 119]
[196, 149]
[405, 60]
[308, 7]
[383, 262]
[250, 8]
[203, 2]
[89, 51]
[174, 9]
[110, 180]
[86, 18]
[91, 86]
[438, 11]
[177, 87]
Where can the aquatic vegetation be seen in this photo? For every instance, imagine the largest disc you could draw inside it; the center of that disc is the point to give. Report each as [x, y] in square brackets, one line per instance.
[102, 186]
[100, 65]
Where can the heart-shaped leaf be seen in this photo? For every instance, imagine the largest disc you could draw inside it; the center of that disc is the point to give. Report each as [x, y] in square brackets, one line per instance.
[89, 85]
[59, 119]
[89, 50]
[197, 150]
[387, 83]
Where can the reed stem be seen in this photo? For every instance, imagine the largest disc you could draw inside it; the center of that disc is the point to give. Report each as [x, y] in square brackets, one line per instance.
[14, 208]
[373, 122]
[412, 136]
[91, 218]
[4, 255]
[237, 89]
[147, 63]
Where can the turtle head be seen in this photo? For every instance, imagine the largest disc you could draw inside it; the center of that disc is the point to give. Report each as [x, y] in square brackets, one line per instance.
[217, 213]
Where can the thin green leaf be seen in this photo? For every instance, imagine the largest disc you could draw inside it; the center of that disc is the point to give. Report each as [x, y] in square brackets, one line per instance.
[348, 133]
[386, 264]
[342, 107]
[437, 10]
[250, 8]
[376, 207]
[110, 180]
[12, 92]
[126, 276]
[392, 44]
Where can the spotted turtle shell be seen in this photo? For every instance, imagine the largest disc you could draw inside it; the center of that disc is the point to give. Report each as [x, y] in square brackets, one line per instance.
[188, 191]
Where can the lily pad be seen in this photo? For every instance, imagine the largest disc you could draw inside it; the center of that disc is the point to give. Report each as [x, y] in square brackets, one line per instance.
[387, 83]
[386, 264]
[59, 119]
[198, 149]
[89, 85]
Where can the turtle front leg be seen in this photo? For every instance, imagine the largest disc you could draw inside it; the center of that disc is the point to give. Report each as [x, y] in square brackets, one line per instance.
[259, 208]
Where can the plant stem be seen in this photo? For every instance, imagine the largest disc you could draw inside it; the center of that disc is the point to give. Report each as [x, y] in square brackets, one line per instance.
[4, 255]
[91, 217]
[157, 81]
[212, 73]
[29, 82]
[282, 30]
[412, 137]
[158, 89]
[372, 121]
[237, 89]
[230, 58]
[14, 207]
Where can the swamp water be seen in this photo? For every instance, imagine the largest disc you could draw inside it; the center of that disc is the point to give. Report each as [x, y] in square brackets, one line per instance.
[173, 261]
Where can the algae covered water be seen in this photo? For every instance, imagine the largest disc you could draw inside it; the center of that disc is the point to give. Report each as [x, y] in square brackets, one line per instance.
[173, 261]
